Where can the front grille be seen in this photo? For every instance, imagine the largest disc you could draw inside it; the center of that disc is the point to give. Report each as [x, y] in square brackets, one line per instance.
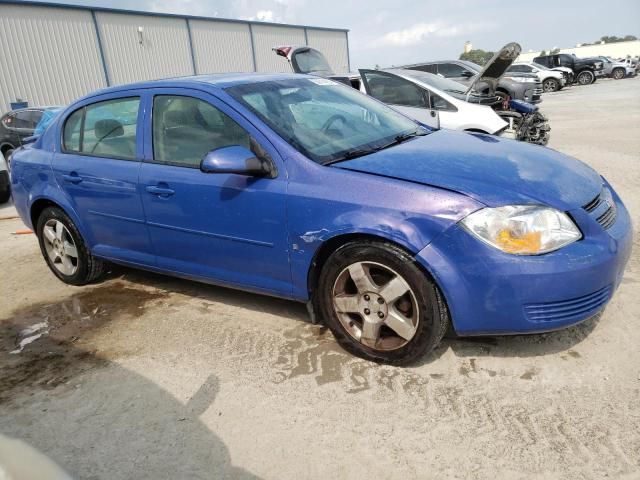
[567, 310]
[603, 201]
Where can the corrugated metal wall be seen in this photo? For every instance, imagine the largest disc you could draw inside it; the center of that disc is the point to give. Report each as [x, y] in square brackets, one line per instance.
[267, 36]
[333, 45]
[51, 55]
[48, 56]
[221, 46]
[164, 51]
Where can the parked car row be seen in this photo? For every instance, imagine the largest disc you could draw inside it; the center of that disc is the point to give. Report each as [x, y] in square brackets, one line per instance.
[454, 94]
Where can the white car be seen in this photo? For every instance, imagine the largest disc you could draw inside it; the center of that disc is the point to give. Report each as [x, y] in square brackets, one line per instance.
[552, 79]
[432, 100]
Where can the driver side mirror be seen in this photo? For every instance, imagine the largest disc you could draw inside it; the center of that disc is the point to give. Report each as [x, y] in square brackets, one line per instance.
[466, 74]
[237, 160]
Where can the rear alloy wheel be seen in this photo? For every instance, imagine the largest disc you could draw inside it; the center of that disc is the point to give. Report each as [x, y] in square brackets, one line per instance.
[64, 249]
[618, 73]
[379, 305]
[586, 77]
[551, 85]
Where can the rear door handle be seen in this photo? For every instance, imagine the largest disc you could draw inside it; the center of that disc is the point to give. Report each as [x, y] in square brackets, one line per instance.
[160, 191]
[73, 177]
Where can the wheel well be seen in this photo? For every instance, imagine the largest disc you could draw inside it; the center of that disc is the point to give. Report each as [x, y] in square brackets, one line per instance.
[5, 147]
[331, 245]
[38, 207]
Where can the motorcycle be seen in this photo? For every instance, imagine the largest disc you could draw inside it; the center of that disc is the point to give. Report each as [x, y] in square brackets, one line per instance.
[526, 122]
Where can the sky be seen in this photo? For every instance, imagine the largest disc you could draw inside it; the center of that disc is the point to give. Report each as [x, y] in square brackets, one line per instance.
[386, 32]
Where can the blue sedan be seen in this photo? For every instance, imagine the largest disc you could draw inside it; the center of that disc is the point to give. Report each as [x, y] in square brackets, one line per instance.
[303, 188]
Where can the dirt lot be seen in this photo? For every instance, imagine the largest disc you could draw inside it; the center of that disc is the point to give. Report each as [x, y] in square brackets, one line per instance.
[143, 376]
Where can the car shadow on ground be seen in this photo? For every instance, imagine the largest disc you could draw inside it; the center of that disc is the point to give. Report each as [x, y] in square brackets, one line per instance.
[103, 420]
[532, 345]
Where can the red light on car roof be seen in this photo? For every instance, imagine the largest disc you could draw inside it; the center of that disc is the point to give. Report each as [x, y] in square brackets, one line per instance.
[283, 51]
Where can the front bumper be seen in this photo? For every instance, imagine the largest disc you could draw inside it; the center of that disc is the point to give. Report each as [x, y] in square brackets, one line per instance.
[533, 93]
[491, 292]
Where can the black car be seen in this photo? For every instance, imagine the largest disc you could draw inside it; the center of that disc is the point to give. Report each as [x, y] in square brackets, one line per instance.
[17, 125]
[585, 70]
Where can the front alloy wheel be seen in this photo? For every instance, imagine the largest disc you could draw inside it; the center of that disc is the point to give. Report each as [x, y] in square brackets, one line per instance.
[375, 305]
[550, 85]
[586, 77]
[379, 304]
[618, 73]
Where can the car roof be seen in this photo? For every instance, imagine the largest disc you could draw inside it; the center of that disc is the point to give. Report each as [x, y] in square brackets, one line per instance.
[219, 80]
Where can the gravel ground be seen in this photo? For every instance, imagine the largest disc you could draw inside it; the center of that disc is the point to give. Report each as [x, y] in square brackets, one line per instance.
[144, 376]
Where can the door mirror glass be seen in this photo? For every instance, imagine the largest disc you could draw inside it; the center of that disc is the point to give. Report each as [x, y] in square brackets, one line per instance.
[237, 160]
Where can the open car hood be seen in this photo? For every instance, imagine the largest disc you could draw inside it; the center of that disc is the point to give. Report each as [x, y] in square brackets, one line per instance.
[305, 59]
[495, 68]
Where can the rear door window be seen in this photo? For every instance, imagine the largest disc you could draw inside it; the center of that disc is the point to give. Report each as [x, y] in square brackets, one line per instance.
[104, 129]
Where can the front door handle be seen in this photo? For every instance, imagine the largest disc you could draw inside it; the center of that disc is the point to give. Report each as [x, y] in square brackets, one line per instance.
[73, 177]
[160, 191]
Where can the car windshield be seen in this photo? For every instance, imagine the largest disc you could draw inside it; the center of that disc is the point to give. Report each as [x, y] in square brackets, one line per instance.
[471, 66]
[324, 120]
[311, 61]
[441, 83]
[540, 67]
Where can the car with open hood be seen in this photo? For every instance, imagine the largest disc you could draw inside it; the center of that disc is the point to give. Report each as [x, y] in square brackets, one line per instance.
[301, 187]
[490, 78]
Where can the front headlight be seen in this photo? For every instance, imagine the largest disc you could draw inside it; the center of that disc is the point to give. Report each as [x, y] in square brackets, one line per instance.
[523, 229]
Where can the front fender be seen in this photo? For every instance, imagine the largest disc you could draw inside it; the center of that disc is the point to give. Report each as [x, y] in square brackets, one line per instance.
[347, 203]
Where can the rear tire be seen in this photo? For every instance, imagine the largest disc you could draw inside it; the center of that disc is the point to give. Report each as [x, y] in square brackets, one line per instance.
[586, 77]
[618, 73]
[64, 249]
[379, 304]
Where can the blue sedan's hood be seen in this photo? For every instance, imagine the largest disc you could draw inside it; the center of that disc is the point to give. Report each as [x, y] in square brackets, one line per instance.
[490, 169]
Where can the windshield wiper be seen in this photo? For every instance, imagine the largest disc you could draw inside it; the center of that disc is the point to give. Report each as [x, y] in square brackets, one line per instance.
[361, 152]
[351, 154]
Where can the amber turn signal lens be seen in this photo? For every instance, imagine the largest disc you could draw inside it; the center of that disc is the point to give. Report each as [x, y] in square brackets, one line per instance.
[527, 243]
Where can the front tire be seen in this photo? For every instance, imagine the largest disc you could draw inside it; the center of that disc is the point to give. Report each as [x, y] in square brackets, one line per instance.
[551, 85]
[586, 77]
[618, 73]
[64, 249]
[379, 304]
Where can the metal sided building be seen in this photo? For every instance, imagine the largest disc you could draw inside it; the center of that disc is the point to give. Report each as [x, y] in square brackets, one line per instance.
[51, 54]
